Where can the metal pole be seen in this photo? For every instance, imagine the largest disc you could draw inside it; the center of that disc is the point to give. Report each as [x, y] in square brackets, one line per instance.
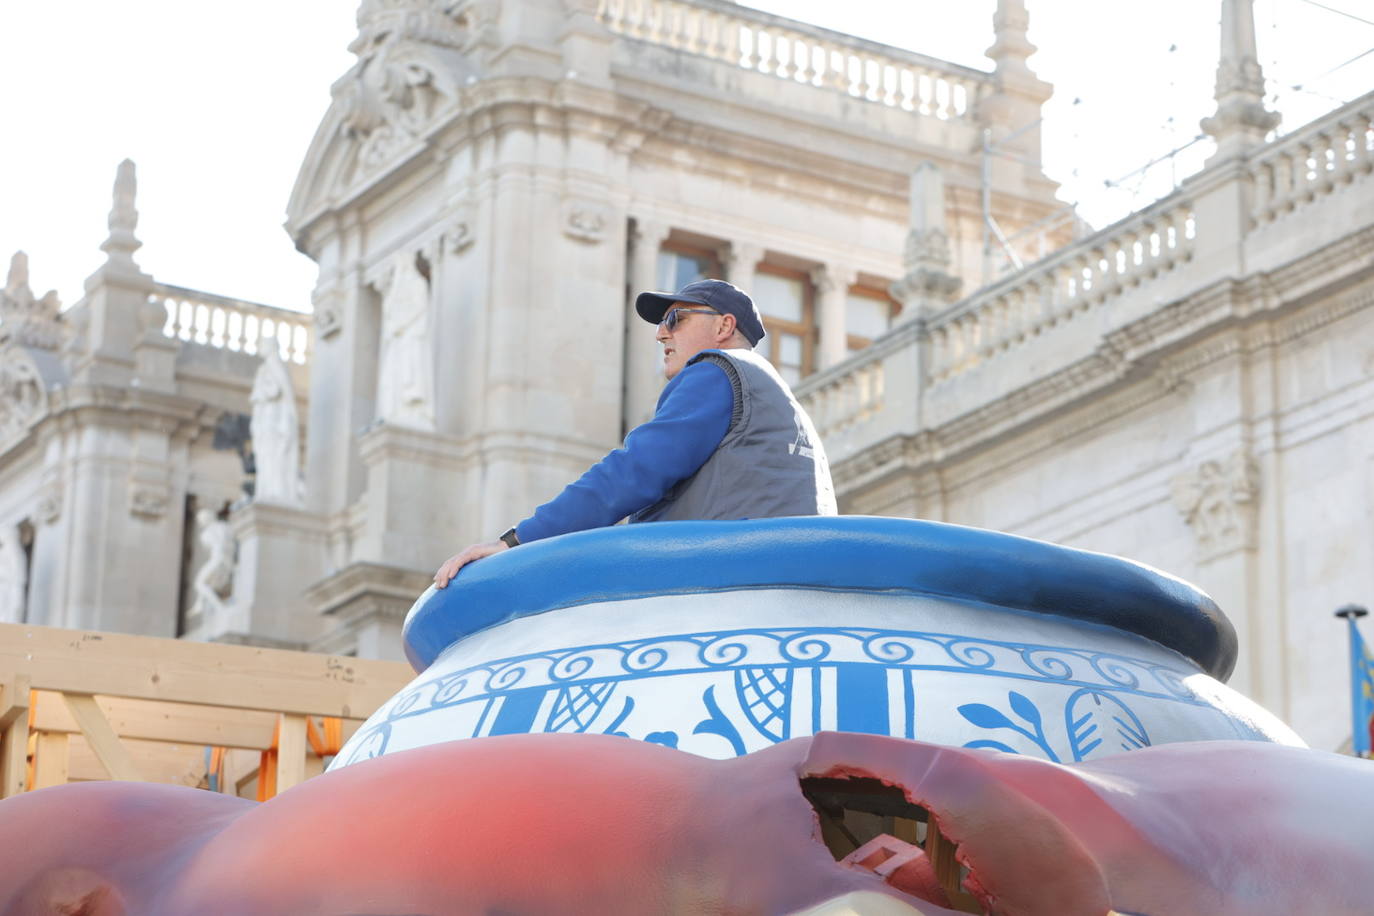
[987, 207]
[1351, 613]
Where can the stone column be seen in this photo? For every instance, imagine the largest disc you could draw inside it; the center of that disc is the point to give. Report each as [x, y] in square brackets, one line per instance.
[643, 357]
[739, 259]
[832, 284]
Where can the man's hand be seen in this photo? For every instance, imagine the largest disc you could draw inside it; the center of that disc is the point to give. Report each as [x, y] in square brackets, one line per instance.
[459, 560]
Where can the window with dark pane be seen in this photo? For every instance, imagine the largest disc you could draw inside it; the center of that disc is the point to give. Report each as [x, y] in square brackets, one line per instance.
[785, 302]
[868, 315]
[678, 266]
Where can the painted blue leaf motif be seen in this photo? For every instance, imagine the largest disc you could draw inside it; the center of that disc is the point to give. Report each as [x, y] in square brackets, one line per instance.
[1100, 723]
[667, 739]
[625, 711]
[995, 745]
[1024, 708]
[984, 716]
[718, 724]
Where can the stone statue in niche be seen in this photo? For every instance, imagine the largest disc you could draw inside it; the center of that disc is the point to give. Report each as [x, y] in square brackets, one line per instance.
[216, 574]
[22, 395]
[275, 431]
[405, 372]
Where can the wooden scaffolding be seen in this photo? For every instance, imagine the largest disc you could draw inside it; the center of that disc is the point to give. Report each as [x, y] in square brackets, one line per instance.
[79, 705]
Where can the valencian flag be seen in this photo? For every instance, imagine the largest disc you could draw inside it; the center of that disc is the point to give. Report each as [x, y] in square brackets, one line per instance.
[1361, 684]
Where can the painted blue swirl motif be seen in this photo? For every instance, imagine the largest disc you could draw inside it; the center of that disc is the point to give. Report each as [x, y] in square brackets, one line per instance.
[1096, 724]
[755, 687]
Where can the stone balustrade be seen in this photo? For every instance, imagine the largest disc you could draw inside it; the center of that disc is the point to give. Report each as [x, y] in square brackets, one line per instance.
[1314, 161]
[232, 324]
[838, 401]
[1069, 282]
[1074, 314]
[804, 53]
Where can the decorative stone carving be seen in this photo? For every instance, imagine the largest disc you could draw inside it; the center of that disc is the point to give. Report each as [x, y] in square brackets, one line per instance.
[24, 319]
[458, 236]
[275, 430]
[1241, 119]
[584, 221]
[1219, 499]
[148, 501]
[215, 577]
[13, 575]
[328, 316]
[405, 373]
[23, 397]
[927, 284]
[49, 507]
[121, 244]
[412, 57]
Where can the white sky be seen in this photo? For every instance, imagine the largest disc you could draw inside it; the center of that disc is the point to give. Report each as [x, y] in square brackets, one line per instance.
[216, 103]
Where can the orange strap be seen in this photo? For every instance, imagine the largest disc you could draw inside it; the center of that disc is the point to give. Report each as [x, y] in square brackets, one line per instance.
[332, 741]
[267, 767]
[324, 745]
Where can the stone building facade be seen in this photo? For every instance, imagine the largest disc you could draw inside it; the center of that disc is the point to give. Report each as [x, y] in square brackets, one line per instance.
[493, 182]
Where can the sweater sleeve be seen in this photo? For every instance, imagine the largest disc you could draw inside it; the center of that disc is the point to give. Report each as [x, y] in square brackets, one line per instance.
[693, 416]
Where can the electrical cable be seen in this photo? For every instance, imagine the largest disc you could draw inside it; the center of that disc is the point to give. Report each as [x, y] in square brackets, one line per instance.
[1332, 9]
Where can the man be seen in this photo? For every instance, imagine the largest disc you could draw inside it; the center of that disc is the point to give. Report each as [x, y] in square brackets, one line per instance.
[727, 441]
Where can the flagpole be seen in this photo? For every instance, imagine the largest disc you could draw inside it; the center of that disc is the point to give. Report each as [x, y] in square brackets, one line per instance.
[1351, 613]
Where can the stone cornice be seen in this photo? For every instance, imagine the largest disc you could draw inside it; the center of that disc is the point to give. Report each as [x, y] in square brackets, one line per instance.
[270, 518]
[368, 589]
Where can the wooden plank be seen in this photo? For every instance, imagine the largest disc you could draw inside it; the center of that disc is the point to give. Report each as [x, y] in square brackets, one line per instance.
[14, 698]
[941, 853]
[14, 736]
[182, 723]
[291, 752]
[211, 674]
[50, 760]
[157, 761]
[101, 737]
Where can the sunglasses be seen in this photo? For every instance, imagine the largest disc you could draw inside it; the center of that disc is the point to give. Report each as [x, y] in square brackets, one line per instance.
[674, 315]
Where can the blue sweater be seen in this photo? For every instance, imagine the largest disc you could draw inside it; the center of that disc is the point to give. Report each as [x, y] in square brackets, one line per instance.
[692, 417]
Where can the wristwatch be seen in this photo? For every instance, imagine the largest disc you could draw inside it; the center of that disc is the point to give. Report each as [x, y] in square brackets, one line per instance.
[510, 538]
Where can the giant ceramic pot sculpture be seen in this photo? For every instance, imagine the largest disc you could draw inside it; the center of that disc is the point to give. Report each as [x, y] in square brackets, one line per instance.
[723, 638]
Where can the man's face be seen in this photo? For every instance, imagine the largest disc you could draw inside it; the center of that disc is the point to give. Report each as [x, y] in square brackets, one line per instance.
[696, 330]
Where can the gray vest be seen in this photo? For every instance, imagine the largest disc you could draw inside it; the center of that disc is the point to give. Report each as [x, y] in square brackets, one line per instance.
[770, 462]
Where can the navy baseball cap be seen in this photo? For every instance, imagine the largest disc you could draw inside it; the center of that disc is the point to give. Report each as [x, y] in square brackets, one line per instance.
[714, 294]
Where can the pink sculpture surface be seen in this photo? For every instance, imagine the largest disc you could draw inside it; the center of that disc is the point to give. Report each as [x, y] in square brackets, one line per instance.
[534, 824]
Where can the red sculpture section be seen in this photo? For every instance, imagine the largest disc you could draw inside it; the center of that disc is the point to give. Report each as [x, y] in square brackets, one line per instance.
[533, 824]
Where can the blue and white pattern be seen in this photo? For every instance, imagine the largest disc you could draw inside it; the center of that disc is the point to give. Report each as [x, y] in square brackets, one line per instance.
[724, 693]
[722, 638]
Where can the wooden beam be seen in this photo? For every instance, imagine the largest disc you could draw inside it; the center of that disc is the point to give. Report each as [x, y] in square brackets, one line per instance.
[50, 760]
[14, 735]
[14, 698]
[157, 761]
[182, 723]
[211, 674]
[101, 736]
[291, 752]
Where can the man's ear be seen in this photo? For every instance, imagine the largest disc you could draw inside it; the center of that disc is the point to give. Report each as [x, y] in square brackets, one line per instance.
[726, 329]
